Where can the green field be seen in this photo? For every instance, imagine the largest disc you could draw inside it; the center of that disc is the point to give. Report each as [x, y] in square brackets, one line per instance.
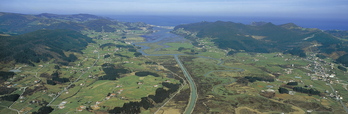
[260, 65]
[83, 74]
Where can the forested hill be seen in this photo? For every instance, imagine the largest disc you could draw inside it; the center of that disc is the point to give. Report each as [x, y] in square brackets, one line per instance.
[42, 45]
[33, 38]
[13, 23]
[265, 37]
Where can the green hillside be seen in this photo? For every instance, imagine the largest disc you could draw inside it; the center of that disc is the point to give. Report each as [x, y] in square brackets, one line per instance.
[265, 37]
[42, 45]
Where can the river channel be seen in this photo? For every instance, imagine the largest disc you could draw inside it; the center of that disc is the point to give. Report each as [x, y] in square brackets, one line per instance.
[163, 36]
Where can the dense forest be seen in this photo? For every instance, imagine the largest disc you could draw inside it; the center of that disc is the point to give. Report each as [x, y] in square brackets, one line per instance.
[42, 45]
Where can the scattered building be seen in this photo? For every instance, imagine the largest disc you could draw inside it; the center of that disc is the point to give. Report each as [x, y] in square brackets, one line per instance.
[61, 106]
[63, 102]
[79, 109]
[83, 107]
[95, 107]
[292, 92]
[112, 94]
[269, 86]
[37, 81]
[107, 98]
[270, 90]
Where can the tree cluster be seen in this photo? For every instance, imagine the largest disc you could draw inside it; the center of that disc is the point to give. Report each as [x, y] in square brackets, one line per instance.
[146, 73]
[55, 79]
[283, 90]
[310, 91]
[112, 72]
[253, 79]
[12, 97]
[292, 83]
[147, 102]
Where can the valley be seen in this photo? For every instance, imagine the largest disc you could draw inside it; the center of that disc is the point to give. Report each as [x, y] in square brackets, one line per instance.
[198, 68]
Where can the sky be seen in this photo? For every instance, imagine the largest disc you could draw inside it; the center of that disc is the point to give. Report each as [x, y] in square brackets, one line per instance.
[335, 9]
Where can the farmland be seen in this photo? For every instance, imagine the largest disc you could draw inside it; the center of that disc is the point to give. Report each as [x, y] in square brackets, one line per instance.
[91, 85]
[113, 76]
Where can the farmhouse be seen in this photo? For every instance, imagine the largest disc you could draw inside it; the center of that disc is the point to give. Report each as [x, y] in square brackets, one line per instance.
[83, 107]
[107, 98]
[112, 94]
[79, 109]
[61, 106]
[37, 81]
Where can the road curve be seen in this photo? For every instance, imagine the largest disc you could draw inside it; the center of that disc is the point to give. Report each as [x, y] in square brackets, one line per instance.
[193, 95]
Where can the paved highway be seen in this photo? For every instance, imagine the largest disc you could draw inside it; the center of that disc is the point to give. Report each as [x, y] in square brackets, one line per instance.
[193, 95]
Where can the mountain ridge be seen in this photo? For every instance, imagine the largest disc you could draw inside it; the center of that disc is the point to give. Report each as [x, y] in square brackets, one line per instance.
[14, 23]
[265, 37]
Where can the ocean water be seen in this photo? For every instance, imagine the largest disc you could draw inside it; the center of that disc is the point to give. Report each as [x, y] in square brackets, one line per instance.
[323, 24]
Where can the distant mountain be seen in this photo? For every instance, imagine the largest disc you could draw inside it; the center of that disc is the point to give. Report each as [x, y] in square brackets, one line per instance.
[75, 17]
[42, 45]
[264, 37]
[13, 23]
[338, 33]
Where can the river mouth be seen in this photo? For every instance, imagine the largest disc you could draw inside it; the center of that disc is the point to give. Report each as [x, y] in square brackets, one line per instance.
[160, 37]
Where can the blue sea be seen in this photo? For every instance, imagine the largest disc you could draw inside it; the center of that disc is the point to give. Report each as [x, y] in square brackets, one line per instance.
[323, 24]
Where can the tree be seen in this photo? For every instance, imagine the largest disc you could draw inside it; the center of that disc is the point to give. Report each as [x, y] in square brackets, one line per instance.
[181, 48]
[342, 68]
[137, 54]
[292, 83]
[44, 110]
[283, 90]
[12, 97]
